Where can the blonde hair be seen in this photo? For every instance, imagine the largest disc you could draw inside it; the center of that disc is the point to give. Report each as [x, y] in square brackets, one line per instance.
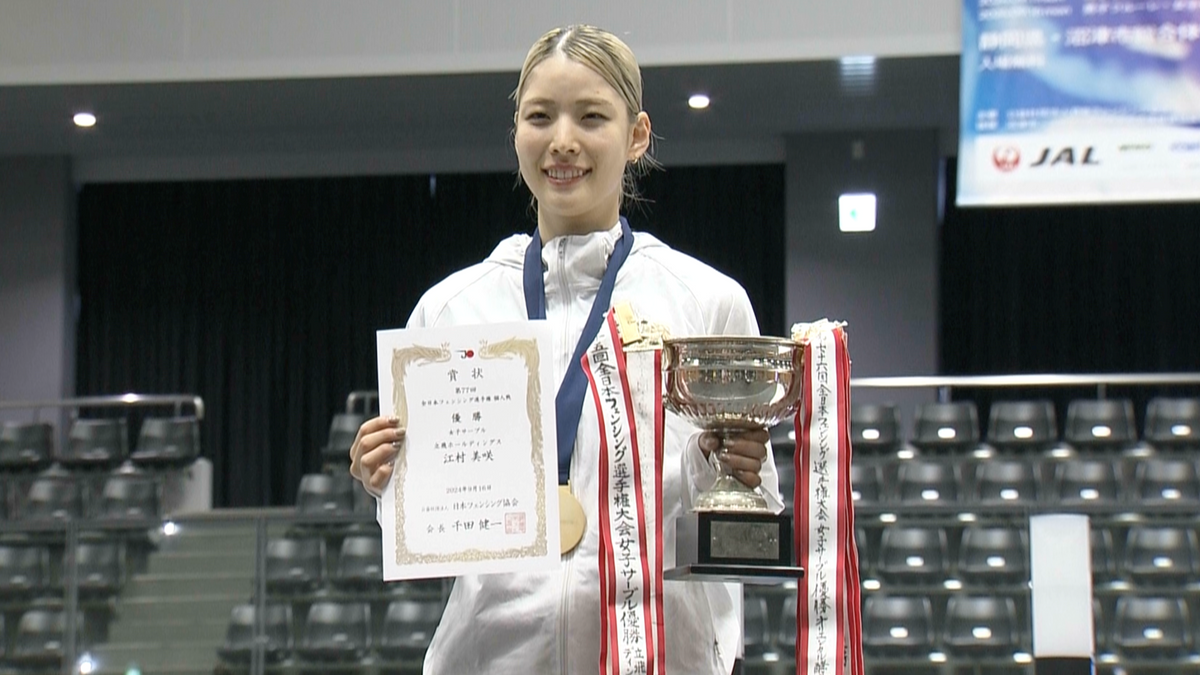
[613, 60]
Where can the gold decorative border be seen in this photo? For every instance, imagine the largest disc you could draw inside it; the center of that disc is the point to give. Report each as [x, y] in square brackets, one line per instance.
[525, 349]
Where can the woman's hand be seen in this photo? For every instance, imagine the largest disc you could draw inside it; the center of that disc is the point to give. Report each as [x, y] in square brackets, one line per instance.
[741, 453]
[373, 453]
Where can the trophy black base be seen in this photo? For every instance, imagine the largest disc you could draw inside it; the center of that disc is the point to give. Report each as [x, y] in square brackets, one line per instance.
[753, 548]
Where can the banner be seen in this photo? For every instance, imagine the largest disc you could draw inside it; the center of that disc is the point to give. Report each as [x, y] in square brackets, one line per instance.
[1079, 101]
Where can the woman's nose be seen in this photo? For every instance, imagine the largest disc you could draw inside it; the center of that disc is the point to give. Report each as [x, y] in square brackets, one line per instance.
[564, 142]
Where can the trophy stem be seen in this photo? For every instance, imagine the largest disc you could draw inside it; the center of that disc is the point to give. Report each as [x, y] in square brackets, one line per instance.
[730, 494]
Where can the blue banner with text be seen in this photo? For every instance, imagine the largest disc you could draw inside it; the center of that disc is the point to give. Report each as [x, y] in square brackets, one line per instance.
[1079, 101]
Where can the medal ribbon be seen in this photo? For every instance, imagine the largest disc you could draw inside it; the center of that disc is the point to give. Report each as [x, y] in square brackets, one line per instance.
[829, 614]
[568, 402]
[627, 390]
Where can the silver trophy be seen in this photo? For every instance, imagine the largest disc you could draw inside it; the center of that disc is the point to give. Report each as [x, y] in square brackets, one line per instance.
[729, 385]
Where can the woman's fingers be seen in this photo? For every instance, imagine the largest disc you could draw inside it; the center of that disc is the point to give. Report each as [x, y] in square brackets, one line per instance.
[743, 453]
[750, 479]
[379, 479]
[738, 464]
[749, 444]
[374, 447]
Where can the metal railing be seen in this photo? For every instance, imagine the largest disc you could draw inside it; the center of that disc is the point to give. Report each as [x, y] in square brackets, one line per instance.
[944, 383]
[130, 400]
[1101, 381]
[113, 401]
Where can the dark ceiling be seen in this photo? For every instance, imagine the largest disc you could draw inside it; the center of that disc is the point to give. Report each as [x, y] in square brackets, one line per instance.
[749, 101]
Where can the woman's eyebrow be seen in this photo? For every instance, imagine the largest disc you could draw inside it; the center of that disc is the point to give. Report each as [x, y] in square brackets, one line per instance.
[581, 102]
[593, 102]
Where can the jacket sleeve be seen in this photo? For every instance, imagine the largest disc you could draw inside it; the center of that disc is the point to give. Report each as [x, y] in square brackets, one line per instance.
[730, 314]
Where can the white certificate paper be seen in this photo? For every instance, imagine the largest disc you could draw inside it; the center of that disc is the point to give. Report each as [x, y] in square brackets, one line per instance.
[474, 490]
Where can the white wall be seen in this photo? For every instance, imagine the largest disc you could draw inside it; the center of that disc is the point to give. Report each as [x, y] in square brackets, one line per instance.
[37, 273]
[883, 283]
[101, 41]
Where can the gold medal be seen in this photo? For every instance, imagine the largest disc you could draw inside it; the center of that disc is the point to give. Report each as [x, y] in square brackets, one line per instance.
[571, 520]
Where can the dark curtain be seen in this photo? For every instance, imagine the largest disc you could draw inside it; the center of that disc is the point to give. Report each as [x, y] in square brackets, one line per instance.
[263, 296]
[1070, 289]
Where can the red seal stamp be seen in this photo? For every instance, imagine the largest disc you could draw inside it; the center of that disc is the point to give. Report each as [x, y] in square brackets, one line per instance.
[514, 523]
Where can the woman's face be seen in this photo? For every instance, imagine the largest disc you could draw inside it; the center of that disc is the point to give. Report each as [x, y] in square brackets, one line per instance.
[573, 140]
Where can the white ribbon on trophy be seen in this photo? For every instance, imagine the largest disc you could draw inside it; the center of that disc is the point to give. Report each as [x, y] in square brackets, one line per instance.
[627, 390]
[829, 621]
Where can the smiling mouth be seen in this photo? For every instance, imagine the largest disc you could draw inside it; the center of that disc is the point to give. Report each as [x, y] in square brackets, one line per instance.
[565, 176]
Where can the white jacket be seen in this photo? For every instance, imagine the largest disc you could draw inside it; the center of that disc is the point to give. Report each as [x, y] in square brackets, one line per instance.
[550, 622]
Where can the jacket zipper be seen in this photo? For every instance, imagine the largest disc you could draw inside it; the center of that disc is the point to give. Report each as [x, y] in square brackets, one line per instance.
[565, 595]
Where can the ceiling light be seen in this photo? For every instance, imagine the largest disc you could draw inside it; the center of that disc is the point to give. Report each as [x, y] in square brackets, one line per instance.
[856, 212]
[698, 101]
[863, 62]
[84, 119]
[857, 74]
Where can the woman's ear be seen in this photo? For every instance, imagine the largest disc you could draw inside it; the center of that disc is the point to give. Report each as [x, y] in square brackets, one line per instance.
[639, 141]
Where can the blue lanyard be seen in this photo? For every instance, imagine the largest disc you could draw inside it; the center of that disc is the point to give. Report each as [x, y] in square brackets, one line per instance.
[568, 403]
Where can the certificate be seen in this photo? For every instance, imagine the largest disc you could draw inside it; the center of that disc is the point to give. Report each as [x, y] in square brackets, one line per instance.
[474, 489]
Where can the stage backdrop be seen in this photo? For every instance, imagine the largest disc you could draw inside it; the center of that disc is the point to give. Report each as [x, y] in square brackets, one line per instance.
[1079, 101]
[264, 296]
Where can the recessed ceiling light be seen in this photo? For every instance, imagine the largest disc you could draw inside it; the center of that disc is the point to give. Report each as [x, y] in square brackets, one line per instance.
[84, 119]
[857, 74]
[861, 61]
[698, 101]
[856, 213]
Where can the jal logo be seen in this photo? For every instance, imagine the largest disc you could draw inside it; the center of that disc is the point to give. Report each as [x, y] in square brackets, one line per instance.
[1006, 158]
[1066, 157]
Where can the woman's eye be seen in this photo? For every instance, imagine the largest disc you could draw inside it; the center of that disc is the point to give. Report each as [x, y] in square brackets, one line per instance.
[537, 116]
[594, 117]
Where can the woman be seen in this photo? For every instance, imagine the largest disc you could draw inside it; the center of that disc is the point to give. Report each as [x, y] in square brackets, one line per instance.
[581, 135]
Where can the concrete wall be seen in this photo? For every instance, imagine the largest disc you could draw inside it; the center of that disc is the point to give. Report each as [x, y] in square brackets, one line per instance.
[37, 280]
[884, 283]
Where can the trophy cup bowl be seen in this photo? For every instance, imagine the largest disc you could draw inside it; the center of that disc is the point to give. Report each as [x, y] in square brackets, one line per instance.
[728, 385]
